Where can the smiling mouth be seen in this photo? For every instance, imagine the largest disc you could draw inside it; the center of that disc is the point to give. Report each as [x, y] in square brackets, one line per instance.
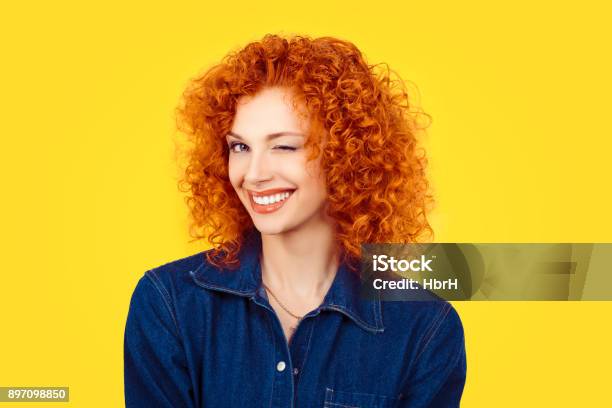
[269, 201]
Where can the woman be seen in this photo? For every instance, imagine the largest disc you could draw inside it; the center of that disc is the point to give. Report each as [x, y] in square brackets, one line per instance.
[301, 152]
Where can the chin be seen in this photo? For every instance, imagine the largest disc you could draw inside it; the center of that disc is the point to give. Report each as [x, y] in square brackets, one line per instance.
[266, 229]
[269, 231]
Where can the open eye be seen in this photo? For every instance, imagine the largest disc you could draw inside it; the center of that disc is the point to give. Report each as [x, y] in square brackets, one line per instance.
[237, 147]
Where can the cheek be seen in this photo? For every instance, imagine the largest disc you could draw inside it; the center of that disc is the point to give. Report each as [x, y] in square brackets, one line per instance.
[234, 172]
[319, 190]
[313, 184]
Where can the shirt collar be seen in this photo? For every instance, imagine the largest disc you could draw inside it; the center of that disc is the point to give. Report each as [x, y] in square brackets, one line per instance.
[343, 295]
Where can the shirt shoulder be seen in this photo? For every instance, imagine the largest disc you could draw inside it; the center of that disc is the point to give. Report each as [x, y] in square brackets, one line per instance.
[429, 307]
[175, 277]
[422, 312]
[425, 322]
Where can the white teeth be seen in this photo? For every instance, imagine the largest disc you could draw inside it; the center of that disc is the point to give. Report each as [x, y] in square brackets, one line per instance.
[266, 200]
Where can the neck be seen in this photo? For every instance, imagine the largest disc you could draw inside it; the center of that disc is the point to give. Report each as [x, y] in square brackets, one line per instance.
[299, 266]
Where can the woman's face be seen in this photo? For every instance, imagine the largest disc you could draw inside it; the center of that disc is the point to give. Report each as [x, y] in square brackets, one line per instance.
[268, 167]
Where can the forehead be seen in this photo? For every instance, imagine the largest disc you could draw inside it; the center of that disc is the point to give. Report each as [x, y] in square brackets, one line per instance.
[269, 111]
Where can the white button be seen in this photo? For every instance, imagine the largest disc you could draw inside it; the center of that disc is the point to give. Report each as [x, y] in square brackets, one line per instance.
[281, 366]
[295, 371]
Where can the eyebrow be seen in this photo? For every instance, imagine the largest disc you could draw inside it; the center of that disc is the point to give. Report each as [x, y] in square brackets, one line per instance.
[270, 136]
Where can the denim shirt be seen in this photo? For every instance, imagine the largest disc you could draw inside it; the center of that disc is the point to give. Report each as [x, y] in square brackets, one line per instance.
[199, 336]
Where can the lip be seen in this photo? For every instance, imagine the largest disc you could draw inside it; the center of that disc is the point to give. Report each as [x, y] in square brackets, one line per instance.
[266, 209]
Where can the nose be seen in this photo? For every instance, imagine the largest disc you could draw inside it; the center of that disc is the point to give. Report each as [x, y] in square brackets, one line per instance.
[258, 169]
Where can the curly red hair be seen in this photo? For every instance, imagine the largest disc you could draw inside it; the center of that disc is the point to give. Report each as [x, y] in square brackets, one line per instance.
[375, 171]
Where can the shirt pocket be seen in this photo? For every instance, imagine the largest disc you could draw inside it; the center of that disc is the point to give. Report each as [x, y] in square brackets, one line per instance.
[344, 399]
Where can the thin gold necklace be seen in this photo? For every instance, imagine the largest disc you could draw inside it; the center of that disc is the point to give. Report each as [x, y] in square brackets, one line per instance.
[299, 318]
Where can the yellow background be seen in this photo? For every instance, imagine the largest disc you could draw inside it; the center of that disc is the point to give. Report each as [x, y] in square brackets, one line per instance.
[519, 151]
